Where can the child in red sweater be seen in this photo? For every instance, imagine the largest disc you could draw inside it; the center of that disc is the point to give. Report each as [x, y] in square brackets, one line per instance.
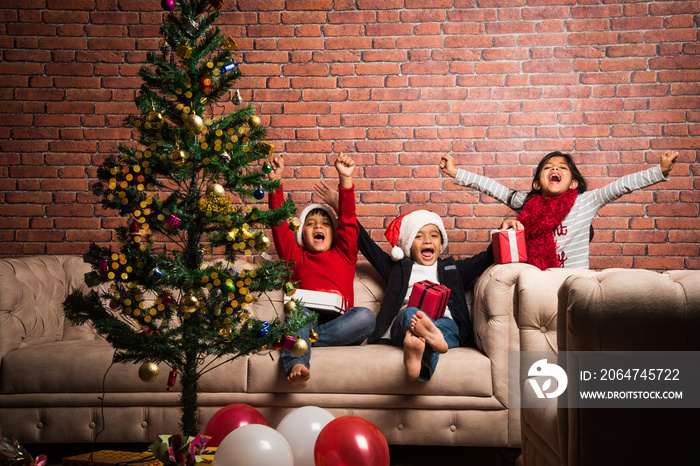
[324, 253]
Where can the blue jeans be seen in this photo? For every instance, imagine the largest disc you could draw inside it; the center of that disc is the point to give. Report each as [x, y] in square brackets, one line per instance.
[347, 329]
[446, 325]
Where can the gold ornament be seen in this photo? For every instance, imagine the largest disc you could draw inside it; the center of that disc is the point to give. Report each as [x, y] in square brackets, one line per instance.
[231, 235]
[184, 51]
[226, 334]
[254, 121]
[267, 148]
[189, 304]
[154, 117]
[148, 372]
[216, 190]
[229, 43]
[300, 347]
[225, 157]
[313, 336]
[177, 157]
[294, 224]
[289, 288]
[194, 123]
[262, 244]
[245, 234]
[289, 307]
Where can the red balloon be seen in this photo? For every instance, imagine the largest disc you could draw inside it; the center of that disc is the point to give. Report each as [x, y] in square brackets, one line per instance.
[351, 441]
[230, 418]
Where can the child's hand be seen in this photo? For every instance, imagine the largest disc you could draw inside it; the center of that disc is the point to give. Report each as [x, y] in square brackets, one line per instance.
[668, 160]
[277, 163]
[511, 223]
[345, 166]
[328, 194]
[447, 165]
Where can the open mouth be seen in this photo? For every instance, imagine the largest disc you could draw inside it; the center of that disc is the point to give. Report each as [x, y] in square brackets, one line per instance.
[427, 253]
[319, 237]
[555, 177]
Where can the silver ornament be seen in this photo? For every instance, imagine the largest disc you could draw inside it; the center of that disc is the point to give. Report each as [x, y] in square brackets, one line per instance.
[237, 99]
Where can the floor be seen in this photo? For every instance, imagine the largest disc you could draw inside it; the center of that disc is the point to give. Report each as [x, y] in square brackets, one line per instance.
[407, 455]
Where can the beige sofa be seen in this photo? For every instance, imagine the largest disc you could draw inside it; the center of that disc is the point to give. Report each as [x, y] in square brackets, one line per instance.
[57, 383]
[615, 310]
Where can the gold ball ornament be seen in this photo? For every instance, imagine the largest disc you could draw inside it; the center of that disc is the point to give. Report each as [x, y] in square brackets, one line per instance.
[154, 117]
[300, 347]
[254, 121]
[262, 244]
[177, 157]
[216, 190]
[313, 336]
[189, 304]
[289, 307]
[195, 123]
[148, 372]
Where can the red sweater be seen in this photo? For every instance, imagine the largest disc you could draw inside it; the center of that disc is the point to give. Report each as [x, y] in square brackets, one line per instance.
[330, 270]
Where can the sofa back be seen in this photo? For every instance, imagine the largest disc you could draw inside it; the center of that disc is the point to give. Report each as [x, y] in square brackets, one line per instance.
[32, 291]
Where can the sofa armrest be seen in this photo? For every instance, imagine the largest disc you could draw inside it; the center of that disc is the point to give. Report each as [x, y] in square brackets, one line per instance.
[630, 310]
[537, 304]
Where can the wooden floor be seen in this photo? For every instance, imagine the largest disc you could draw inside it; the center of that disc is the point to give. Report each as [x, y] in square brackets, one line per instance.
[406, 455]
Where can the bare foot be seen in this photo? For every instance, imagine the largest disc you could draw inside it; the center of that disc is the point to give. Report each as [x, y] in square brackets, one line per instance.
[422, 326]
[299, 376]
[413, 348]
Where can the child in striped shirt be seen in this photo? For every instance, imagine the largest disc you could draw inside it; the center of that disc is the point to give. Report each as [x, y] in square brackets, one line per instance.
[558, 211]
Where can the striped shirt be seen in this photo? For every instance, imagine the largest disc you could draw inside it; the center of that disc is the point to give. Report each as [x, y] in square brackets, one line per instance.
[572, 236]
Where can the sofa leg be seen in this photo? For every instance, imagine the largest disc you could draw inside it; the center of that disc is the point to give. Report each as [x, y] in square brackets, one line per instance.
[510, 456]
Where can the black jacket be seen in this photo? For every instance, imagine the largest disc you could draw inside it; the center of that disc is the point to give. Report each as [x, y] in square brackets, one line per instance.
[454, 274]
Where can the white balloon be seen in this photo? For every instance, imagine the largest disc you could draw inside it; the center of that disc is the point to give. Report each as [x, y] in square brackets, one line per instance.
[254, 445]
[301, 428]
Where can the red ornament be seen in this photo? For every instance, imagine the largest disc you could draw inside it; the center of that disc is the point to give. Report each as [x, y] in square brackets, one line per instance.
[217, 3]
[206, 85]
[172, 377]
[167, 5]
[167, 299]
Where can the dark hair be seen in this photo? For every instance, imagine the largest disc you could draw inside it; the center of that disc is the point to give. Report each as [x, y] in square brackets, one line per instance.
[575, 174]
[317, 211]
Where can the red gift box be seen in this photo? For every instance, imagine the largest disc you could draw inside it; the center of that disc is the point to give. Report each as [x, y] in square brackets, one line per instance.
[509, 246]
[430, 298]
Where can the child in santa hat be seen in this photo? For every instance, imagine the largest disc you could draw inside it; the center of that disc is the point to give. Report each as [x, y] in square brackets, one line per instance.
[322, 244]
[417, 240]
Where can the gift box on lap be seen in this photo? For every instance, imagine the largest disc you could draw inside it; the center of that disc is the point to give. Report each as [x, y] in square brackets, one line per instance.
[322, 301]
[112, 458]
[509, 246]
[430, 298]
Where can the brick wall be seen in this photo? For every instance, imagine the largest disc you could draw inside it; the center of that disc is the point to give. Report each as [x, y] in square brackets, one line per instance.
[395, 83]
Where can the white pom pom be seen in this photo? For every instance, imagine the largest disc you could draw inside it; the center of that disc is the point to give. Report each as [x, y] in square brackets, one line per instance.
[397, 253]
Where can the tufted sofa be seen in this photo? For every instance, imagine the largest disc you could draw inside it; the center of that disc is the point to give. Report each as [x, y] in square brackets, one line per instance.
[57, 383]
[631, 313]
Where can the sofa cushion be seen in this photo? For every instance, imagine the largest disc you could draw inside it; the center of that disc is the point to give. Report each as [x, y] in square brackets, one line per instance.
[377, 369]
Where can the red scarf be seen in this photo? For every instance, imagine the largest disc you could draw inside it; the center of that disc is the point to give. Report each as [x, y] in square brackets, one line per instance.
[541, 216]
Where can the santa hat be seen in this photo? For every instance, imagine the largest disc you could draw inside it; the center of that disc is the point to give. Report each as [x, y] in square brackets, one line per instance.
[403, 230]
[305, 213]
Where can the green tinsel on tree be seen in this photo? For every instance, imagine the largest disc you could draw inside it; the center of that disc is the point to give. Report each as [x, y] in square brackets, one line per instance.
[193, 182]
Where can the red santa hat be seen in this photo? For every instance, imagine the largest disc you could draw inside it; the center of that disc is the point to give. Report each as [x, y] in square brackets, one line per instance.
[403, 230]
[304, 213]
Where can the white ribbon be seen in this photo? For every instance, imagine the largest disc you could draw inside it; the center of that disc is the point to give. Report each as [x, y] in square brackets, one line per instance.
[513, 243]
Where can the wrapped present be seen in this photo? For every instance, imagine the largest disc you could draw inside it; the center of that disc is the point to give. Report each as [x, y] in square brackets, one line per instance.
[509, 246]
[430, 298]
[321, 301]
[112, 458]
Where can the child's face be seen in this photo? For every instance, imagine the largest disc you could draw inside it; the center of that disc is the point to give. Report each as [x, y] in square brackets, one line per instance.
[555, 178]
[317, 233]
[427, 245]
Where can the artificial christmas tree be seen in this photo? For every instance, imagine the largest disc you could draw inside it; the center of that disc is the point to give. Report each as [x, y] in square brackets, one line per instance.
[191, 184]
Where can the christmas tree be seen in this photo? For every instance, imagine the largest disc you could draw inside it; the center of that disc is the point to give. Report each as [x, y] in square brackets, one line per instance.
[192, 183]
